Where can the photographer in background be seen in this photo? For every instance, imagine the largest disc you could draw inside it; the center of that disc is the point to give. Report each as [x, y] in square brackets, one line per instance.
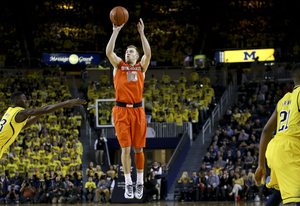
[151, 186]
[13, 195]
[27, 192]
[103, 186]
[44, 195]
[72, 195]
[58, 191]
[68, 184]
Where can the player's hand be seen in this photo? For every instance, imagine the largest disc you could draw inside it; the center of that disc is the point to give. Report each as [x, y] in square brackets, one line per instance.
[259, 174]
[140, 27]
[76, 102]
[117, 28]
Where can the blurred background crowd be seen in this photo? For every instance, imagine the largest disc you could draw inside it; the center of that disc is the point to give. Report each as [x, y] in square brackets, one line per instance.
[48, 156]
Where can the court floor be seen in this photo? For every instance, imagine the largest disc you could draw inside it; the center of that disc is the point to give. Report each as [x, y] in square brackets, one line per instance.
[172, 203]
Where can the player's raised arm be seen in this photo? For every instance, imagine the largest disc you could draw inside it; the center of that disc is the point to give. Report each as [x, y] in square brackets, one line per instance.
[111, 55]
[264, 141]
[24, 114]
[146, 47]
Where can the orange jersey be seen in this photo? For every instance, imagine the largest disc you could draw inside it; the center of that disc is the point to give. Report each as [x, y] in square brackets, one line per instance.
[129, 83]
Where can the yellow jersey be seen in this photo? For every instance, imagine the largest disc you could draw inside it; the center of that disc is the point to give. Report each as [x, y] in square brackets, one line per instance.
[2, 169]
[42, 168]
[22, 167]
[90, 185]
[27, 161]
[52, 166]
[36, 160]
[64, 169]
[178, 119]
[30, 169]
[47, 159]
[288, 117]
[9, 128]
[11, 169]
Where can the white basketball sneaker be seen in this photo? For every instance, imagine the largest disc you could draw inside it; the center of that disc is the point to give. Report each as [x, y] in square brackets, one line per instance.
[128, 191]
[139, 188]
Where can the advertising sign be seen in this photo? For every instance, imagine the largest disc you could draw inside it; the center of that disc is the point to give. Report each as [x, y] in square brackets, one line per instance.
[239, 56]
[71, 59]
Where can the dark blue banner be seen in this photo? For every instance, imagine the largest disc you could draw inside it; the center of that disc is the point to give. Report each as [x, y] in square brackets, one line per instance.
[71, 59]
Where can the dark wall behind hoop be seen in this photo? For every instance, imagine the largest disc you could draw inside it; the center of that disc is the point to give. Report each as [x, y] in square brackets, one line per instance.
[151, 143]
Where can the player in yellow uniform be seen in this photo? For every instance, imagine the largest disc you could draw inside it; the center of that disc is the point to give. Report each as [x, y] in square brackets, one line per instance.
[16, 117]
[283, 151]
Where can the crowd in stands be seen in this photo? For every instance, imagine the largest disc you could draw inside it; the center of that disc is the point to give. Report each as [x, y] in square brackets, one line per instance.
[66, 26]
[170, 27]
[11, 45]
[75, 25]
[228, 168]
[44, 163]
[100, 184]
[186, 99]
[155, 183]
[252, 24]
[154, 179]
[10, 48]
[255, 24]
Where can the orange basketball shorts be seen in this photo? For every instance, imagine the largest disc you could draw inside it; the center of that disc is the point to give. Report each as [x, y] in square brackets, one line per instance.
[131, 126]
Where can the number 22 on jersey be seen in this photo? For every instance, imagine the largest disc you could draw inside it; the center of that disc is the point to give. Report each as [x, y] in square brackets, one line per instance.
[284, 120]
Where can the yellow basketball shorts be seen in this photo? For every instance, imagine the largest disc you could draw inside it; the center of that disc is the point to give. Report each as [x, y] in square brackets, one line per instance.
[283, 157]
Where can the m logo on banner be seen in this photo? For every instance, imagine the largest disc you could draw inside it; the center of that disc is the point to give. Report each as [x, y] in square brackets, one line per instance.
[249, 55]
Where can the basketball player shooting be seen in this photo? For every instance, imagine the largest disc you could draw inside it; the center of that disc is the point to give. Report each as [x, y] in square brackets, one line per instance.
[16, 118]
[129, 115]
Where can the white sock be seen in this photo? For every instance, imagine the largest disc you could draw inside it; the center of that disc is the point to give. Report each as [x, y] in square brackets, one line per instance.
[128, 179]
[140, 178]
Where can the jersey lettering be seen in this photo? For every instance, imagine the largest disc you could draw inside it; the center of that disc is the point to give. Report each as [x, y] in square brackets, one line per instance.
[284, 120]
[129, 83]
[132, 76]
[2, 123]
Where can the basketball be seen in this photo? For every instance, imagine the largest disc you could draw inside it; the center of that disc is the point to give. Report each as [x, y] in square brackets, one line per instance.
[119, 15]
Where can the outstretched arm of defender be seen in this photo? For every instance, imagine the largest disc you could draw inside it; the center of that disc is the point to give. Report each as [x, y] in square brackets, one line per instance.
[24, 114]
[113, 58]
[32, 120]
[146, 47]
